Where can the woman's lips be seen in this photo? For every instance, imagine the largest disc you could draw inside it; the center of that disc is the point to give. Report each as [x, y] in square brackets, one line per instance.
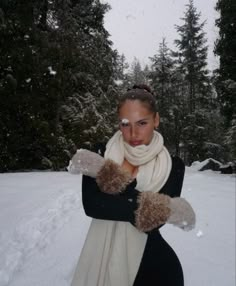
[135, 143]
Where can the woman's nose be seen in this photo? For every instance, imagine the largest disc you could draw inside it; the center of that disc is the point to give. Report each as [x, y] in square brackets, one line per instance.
[133, 132]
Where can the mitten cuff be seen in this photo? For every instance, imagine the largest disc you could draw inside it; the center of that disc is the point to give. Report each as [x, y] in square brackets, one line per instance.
[112, 179]
[152, 210]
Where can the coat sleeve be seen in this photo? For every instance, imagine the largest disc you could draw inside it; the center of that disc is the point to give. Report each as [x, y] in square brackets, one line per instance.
[100, 205]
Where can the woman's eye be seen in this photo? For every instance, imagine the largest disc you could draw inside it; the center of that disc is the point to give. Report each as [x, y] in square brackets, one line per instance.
[142, 123]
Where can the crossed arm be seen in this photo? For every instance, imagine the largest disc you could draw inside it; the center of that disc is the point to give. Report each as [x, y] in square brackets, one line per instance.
[145, 210]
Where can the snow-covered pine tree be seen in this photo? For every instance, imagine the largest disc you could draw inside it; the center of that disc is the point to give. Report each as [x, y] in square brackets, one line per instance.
[230, 140]
[89, 119]
[225, 48]
[192, 57]
[165, 83]
[27, 85]
[162, 71]
[191, 60]
[136, 73]
[50, 51]
[121, 78]
[92, 69]
[121, 67]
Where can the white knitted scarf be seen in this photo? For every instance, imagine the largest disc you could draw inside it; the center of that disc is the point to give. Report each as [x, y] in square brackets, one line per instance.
[113, 250]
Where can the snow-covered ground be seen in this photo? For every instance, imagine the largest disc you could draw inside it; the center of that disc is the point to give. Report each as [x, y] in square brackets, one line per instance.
[43, 227]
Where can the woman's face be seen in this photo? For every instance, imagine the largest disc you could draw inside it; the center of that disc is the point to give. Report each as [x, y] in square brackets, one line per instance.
[137, 123]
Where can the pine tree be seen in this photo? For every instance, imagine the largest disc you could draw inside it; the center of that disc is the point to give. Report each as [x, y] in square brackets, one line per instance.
[162, 77]
[51, 51]
[121, 67]
[92, 70]
[136, 74]
[162, 73]
[230, 140]
[192, 58]
[225, 48]
[121, 72]
[24, 81]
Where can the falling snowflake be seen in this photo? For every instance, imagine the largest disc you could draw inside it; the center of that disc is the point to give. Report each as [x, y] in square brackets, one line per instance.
[199, 233]
[51, 71]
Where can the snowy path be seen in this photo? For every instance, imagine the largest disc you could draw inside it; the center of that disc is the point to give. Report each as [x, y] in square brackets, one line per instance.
[43, 227]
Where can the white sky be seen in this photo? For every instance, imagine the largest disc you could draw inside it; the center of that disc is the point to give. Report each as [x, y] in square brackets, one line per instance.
[138, 26]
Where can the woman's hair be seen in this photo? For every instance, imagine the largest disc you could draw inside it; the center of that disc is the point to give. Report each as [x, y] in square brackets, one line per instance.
[140, 92]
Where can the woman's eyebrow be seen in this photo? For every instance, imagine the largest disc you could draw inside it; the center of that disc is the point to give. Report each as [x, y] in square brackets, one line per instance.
[142, 119]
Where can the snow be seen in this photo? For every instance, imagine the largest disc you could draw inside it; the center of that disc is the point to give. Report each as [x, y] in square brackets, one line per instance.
[118, 82]
[197, 165]
[43, 227]
[51, 71]
[199, 233]
[125, 121]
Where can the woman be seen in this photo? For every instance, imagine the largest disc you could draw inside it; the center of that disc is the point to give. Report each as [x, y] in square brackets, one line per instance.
[130, 194]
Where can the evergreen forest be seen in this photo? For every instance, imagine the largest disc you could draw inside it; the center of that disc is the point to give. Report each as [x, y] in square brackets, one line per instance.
[60, 79]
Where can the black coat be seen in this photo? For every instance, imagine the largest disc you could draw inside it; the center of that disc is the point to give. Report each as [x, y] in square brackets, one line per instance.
[159, 265]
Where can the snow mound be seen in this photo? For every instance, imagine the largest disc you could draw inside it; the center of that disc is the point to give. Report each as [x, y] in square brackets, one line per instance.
[207, 164]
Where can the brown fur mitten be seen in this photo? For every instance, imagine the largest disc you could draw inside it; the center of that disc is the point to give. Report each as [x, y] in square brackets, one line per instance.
[112, 179]
[152, 210]
[155, 209]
